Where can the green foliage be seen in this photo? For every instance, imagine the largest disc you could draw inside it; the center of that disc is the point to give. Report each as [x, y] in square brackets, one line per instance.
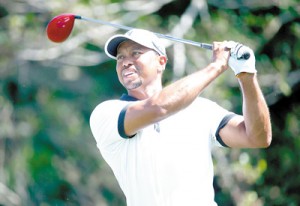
[47, 92]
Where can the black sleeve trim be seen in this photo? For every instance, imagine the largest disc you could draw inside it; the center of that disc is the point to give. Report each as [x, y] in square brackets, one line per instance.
[222, 124]
[121, 128]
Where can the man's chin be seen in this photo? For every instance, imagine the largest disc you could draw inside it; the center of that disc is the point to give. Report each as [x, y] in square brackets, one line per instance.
[133, 85]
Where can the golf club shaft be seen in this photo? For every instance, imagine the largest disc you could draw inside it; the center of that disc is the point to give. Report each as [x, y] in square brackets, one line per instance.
[185, 41]
[244, 56]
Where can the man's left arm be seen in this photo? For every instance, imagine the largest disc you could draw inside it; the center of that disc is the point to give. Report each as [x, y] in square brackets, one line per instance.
[253, 129]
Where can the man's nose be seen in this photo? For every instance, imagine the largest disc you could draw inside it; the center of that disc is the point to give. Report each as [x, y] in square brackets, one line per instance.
[127, 61]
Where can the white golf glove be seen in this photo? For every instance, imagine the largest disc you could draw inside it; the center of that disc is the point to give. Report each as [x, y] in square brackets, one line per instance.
[237, 60]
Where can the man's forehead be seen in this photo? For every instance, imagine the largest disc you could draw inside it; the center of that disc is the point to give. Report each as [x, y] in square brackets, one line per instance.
[129, 44]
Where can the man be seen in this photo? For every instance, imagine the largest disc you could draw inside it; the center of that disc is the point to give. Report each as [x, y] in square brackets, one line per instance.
[158, 140]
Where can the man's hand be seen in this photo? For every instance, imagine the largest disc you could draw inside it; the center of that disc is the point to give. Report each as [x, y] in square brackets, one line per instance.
[236, 61]
[221, 55]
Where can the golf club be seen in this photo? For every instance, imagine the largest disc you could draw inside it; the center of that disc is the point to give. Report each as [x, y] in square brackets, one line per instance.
[60, 28]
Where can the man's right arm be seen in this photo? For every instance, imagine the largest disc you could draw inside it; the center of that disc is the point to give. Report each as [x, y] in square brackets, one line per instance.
[175, 96]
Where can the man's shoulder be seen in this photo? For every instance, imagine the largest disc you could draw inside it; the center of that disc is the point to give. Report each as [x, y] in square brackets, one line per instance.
[206, 105]
[110, 105]
[111, 102]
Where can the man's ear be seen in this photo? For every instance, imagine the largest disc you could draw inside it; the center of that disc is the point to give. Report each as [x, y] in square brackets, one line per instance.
[162, 60]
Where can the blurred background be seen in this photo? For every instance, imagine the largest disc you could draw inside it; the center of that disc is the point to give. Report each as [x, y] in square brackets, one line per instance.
[48, 155]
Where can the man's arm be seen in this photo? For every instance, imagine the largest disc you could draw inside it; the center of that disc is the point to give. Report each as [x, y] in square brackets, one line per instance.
[175, 96]
[253, 129]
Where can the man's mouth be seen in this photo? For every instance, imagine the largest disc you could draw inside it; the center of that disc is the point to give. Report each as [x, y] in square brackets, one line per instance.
[128, 73]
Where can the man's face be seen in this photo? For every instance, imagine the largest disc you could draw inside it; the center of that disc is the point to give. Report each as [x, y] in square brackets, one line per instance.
[136, 65]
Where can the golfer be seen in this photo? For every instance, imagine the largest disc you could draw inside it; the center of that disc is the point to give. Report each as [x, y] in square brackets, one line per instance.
[158, 140]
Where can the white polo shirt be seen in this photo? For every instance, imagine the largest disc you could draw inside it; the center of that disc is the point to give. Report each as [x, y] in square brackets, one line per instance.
[165, 164]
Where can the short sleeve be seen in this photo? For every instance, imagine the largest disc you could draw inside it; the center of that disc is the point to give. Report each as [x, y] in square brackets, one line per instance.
[223, 123]
[104, 124]
[216, 118]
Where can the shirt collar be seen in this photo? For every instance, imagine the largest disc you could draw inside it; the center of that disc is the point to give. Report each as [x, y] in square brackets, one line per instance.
[126, 97]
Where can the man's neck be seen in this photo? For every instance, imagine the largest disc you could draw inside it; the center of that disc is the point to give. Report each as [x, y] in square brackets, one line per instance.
[144, 93]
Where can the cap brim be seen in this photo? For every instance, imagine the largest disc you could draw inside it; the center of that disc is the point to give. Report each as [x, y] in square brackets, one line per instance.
[112, 45]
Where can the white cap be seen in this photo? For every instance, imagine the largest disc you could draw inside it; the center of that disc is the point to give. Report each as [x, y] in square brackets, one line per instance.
[140, 36]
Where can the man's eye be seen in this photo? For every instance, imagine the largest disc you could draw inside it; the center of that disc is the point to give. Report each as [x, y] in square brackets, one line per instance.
[120, 57]
[136, 53]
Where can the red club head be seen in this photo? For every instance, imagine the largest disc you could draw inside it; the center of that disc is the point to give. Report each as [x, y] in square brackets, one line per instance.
[60, 27]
